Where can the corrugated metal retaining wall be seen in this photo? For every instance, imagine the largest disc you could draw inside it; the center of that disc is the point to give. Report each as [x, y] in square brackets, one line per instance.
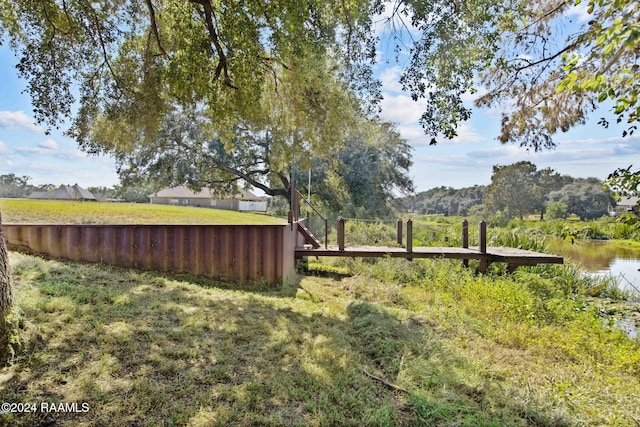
[229, 252]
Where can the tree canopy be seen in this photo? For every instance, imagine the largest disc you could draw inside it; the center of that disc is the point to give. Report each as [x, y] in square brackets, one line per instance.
[303, 70]
[585, 198]
[124, 65]
[552, 69]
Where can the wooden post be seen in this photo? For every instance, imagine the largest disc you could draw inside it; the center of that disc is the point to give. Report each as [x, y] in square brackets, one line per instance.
[484, 263]
[341, 234]
[409, 237]
[290, 218]
[326, 233]
[399, 231]
[465, 240]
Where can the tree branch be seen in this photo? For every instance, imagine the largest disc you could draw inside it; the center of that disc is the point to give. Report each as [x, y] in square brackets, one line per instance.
[154, 26]
[385, 382]
[223, 66]
[240, 174]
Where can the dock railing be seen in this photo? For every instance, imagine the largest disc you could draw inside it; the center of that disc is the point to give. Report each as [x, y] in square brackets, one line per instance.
[296, 214]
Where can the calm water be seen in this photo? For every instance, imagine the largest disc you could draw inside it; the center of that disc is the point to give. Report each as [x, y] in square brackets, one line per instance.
[619, 262]
[604, 259]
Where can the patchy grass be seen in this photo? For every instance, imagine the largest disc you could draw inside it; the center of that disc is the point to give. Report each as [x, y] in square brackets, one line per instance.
[150, 349]
[70, 212]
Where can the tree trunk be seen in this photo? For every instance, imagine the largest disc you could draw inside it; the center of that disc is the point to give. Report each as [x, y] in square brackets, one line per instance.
[6, 300]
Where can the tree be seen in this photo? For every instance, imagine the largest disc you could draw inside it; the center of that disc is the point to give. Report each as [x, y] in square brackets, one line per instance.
[586, 198]
[446, 200]
[130, 63]
[549, 180]
[366, 175]
[6, 300]
[557, 210]
[15, 186]
[553, 71]
[514, 189]
[303, 69]
[624, 182]
[305, 65]
[369, 167]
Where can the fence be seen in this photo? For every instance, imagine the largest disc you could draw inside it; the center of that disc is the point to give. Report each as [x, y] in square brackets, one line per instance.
[228, 252]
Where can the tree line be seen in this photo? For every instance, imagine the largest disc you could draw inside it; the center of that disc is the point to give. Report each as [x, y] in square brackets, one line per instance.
[518, 190]
[14, 186]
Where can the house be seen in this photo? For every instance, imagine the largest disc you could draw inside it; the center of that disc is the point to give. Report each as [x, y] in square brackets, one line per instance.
[64, 192]
[183, 196]
[627, 205]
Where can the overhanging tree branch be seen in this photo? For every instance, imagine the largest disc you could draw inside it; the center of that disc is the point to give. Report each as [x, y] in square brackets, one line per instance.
[154, 27]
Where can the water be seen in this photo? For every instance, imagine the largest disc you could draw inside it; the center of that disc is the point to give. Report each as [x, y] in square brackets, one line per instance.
[610, 260]
[625, 271]
[605, 259]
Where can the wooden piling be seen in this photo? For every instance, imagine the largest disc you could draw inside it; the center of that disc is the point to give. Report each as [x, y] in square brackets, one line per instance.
[399, 231]
[484, 263]
[465, 240]
[409, 237]
[341, 233]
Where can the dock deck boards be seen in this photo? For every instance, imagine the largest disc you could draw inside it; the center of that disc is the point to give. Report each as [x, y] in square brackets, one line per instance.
[512, 256]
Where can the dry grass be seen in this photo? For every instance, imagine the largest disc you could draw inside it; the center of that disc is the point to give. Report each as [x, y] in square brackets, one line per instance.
[69, 212]
[150, 349]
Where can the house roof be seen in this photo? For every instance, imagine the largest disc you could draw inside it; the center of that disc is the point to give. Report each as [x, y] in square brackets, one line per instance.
[628, 201]
[184, 192]
[38, 195]
[64, 192]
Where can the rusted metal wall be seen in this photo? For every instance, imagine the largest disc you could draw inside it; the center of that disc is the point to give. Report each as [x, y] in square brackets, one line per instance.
[229, 252]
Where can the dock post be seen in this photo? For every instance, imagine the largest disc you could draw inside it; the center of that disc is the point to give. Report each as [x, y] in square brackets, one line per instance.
[341, 234]
[409, 237]
[326, 233]
[484, 263]
[465, 240]
[399, 231]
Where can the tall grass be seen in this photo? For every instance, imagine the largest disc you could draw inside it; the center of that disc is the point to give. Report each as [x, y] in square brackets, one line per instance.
[601, 229]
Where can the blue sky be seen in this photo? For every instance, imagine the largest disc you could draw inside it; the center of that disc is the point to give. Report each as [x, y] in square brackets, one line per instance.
[587, 151]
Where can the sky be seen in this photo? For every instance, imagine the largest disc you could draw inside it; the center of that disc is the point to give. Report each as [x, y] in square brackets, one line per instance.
[586, 151]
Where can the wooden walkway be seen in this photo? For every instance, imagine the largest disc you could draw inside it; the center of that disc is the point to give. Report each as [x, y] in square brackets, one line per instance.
[486, 255]
[511, 256]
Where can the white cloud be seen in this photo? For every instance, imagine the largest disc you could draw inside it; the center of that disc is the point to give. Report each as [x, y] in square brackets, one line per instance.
[390, 79]
[467, 134]
[402, 109]
[49, 148]
[580, 12]
[30, 151]
[49, 144]
[414, 134]
[18, 120]
[3, 148]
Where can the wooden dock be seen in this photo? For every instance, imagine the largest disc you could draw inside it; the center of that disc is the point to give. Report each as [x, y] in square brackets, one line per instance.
[512, 256]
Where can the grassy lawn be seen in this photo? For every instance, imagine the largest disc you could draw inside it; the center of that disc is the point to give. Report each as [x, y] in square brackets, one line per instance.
[147, 349]
[69, 212]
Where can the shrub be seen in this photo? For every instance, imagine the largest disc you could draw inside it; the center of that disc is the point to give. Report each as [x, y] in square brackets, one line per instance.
[557, 210]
